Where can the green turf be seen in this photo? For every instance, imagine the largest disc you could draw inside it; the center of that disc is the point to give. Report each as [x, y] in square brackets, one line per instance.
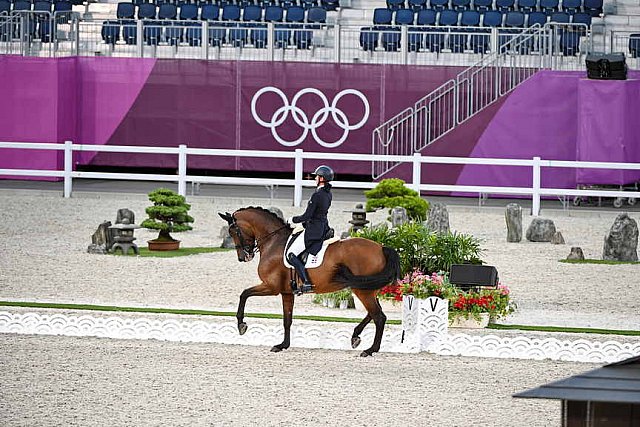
[145, 252]
[597, 261]
[565, 329]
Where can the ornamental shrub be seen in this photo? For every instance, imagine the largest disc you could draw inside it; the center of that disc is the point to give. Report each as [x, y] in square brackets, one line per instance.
[392, 192]
[424, 250]
[169, 213]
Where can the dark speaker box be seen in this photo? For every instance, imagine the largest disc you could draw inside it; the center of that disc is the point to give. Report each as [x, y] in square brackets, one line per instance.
[610, 66]
[469, 275]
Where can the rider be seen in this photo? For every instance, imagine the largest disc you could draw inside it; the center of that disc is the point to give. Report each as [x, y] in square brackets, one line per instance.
[315, 223]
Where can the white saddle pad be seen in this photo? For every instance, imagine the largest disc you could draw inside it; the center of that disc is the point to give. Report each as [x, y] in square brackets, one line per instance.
[313, 261]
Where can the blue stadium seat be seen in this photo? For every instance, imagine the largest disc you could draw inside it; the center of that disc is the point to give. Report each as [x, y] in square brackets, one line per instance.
[492, 18]
[21, 5]
[514, 19]
[470, 18]
[426, 17]
[505, 5]
[295, 15]
[147, 11]
[539, 18]
[210, 12]
[167, 11]
[448, 18]
[129, 31]
[316, 16]
[395, 4]
[460, 5]
[571, 6]
[593, 7]
[570, 42]
[368, 38]
[404, 17]
[252, 13]
[458, 41]
[189, 12]
[527, 6]
[482, 5]
[581, 18]
[439, 4]
[231, 12]
[382, 16]
[126, 11]
[549, 6]
[110, 32]
[634, 45]
[417, 5]
[560, 17]
[5, 6]
[62, 6]
[42, 6]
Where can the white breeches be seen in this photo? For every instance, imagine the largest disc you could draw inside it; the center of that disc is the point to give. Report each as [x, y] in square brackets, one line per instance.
[298, 245]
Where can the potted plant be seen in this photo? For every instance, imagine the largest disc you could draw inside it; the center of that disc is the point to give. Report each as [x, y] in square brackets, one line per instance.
[169, 214]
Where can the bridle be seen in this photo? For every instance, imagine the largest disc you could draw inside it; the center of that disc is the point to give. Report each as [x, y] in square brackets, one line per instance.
[256, 242]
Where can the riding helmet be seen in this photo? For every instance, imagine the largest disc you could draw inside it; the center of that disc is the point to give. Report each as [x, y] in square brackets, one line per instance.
[324, 171]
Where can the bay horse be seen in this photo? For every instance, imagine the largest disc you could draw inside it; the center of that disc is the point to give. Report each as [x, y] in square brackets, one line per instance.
[363, 265]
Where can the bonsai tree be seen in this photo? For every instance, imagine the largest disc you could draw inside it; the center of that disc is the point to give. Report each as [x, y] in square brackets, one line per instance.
[168, 214]
[392, 192]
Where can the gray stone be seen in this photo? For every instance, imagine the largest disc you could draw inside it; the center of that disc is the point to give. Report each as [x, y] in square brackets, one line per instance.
[276, 211]
[125, 214]
[398, 216]
[621, 242]
[557, 239]
[101, 239]
[513, 216]
[227, 240]
[576, 253]
[541, 230]
[438, 220]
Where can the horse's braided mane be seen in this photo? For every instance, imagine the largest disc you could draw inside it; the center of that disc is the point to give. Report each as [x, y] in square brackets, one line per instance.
[261, 209]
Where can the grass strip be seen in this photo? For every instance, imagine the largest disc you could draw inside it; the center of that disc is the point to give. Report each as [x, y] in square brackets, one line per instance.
[190, 312]
[565, 329]
[181, 311]
[145, 252]
[597, 261]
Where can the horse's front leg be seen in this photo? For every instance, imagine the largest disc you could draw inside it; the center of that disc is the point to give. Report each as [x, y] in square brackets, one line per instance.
[262, 289]
[287, 307]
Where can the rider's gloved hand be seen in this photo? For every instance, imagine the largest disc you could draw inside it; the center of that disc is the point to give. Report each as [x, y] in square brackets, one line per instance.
[290, 221]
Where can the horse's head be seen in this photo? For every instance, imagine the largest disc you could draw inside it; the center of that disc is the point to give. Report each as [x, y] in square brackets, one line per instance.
[243, 237]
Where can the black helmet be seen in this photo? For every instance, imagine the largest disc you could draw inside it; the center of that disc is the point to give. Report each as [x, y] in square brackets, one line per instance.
[324, 171]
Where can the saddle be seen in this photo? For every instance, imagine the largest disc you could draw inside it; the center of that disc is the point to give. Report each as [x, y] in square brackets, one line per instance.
[310, 261]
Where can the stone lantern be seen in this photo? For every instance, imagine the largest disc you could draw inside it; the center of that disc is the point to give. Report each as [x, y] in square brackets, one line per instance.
[358, 218]
[123, 237]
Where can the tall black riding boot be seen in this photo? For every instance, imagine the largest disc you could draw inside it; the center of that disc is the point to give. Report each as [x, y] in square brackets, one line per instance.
[302, 272]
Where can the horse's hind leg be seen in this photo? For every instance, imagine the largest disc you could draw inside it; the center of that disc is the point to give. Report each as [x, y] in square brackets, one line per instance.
[260, 290]
[287, 307]
[375, 313]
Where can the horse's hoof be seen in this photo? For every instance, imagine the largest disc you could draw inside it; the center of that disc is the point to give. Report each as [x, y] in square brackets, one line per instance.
[276, 349]
[355, 342]
[242, 328]
[366, 354]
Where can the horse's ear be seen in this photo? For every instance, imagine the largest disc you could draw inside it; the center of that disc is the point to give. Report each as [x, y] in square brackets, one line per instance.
[226, 216]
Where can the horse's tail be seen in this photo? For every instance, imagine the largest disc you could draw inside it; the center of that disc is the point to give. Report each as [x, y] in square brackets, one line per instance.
[389, 274]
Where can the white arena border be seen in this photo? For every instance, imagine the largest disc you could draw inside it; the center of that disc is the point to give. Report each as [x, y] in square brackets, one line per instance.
[325, 336]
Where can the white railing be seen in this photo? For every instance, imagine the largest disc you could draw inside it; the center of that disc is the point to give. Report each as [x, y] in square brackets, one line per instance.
[417, 160]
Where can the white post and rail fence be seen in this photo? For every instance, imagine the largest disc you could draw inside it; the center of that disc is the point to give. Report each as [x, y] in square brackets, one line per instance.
[536, 165]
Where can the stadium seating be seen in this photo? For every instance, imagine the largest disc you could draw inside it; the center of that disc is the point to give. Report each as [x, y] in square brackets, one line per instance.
[571, 6]
[634, 45]
[593, 7]
[527, 6]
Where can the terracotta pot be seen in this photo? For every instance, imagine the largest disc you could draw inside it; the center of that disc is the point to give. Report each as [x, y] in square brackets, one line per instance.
[164, 245]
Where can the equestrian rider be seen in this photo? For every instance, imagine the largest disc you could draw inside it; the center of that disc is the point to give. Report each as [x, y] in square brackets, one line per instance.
[316, 226]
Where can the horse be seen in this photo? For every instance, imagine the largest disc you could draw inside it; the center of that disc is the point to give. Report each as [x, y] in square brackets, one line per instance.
[360, 264]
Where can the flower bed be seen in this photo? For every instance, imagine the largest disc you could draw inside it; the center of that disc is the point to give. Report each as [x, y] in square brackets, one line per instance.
[466, 304]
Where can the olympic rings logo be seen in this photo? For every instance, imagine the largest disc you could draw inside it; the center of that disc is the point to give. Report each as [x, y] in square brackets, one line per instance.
[301, 118]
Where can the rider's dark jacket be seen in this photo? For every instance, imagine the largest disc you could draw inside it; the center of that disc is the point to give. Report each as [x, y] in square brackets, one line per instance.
[314, 219]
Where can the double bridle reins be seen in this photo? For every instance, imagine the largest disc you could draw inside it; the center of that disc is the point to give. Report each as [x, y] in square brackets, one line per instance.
[256, 243]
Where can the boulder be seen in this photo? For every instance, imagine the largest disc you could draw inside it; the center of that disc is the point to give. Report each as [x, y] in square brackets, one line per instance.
[557, 239]
[513, 216]
[125, 214]
[227, 240]
[576, 253]
[398, 216]
[101, 239]
[438, 220]
[541, 230]
[621, 242]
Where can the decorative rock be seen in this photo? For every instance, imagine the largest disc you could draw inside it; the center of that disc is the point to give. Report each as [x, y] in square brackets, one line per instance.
[227, 240]
[513, 216]
[557, 239]
[101, 239]
[125, 214]
[541, 230]
[398, 216]
[438, 218]
[576, 253]
[621, 242]
[276, 211]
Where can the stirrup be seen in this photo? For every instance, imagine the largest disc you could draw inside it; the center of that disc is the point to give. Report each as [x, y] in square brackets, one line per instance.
[305, 288]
